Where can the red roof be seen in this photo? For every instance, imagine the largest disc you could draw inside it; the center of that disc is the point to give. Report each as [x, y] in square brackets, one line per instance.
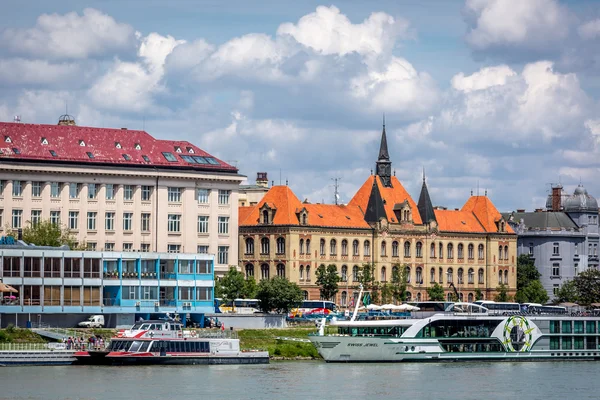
[80, 144]
[486, 213]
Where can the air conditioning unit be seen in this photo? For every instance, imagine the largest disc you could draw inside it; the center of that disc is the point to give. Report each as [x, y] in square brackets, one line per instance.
[156, 304]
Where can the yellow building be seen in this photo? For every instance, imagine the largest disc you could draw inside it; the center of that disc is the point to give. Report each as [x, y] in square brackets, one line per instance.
[464, 249]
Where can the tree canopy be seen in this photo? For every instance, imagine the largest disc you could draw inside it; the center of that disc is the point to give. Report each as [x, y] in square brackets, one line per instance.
[279, 295]
[46, 233]
[502, 294]
[529, 287]
[436, 292]
[231, 285]
[327, 280]
[587, 284]
[567, 293]
[398, 283]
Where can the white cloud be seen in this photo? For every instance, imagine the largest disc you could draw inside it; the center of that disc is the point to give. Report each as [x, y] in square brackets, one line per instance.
[531, 24]
[20, 71]
[482, 79]
[187, 55]
[590, 29]
[71, 36]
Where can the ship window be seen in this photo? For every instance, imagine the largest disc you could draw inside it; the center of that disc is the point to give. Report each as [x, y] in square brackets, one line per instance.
[145, 327]
[144, 346]
[135, 346]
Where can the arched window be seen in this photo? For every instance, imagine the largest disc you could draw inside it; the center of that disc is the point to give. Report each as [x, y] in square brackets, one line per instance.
[432, 250]
[355, 273]
[394, 271]
[249, 271]
[344, 299]
[506, 277]
[460, 297]
[302, 272]
[265, 217]
[419, 250]
[305, 294]
[441, 276]
[459, 277]
[471, 276]
[249, 246]
[344, 273]
[308, 273]
[441, 251]
[407, 274]
[449, 297]
[383, 275]
[500, 248]
[322, 247]
[407, 249]
[480, 252]
[280, 245]
[307, 246]
[301, 246]
[383, 249]
[264, 271]
[506, 252]
[304, 219]
[500, 277]
[367, 248]
[450, 254]
[461, 254]
[450, 275]
[344, 247]
[471, 251]
[408, 296]
[355, 248]
[419, 296]
[281, 270]
[333, 247]
[432, 275]
[394, 249]
[419, 276]
[480, 277]
[470, 297]
[264, 246]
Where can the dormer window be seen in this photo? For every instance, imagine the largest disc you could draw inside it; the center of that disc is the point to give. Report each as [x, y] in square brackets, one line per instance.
[138, 146]
[190, 150]
[7, 139]
[117, 145]
[267, 214]
[177, 149]
[265, 217]
[81, 143]
[126, 157]
[44, 140]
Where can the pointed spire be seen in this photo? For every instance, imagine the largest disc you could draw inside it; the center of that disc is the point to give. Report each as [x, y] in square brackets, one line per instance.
[375, 209]
[383, 166]
[424, 205]
[383, 147]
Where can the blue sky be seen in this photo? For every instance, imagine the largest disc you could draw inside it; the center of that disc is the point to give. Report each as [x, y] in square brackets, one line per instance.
[494, 94]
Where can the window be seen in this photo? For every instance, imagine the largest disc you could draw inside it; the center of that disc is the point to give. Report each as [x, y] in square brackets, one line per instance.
[146, 193]
[575, 269]
[53, 153]
[355, 273]
[441, 251]
[280, 245]
[223, 225]
[394, 249]
[265, 215]
[249, 246]
[202, 195]
[145, 223]
[281, 271]
[301, 246]
[459, 276]
[441, 275]
[383, 249]
[506, 252]
[73, 219]
[308, 273]
[145, 247]
[450, 251]
[432, 250]
[500, 277]
[367, 248]
[432, 275]
[128, 192]
[333, 247]
[203, 223]
[126, 157]
[127, 221]
[345, 247]
[223, 255]
[174, 248]
[419, 249]
[17, 189]
[36, 189]
[344, 298]
[264, 246]
[109, 246]
[174, 222]
[355, 248]
[127, 246]
[419, 275]
[480, 252]
[307, 246]
[17, 218]
[202, 249]
[407, 249]
[174, 195]
[249, 271]
[55, 217]
[224, 196]
[54, 189]
[73, 190]
[264, 271]
[109, 221]
[169, 156]
[146, 158]
[407, 269]
[383, 275]
[110, 191]
[500, 252]
[91, 220]
[555, 249]
[449, 275]
[471, 276]
[556, 269]
[471, 251]
[344, 273]
[460, 251]
[322, 247]
[480, 275]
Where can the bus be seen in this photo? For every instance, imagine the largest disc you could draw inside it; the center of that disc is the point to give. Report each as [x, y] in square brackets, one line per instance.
[238, 306]
[535, 308]
[315, 306]
[432, 306]
[499, 307]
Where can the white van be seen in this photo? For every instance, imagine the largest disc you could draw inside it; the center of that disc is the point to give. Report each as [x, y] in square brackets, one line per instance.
[95, 321]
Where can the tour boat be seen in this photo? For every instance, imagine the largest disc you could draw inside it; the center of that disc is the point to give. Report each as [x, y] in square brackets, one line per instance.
[167, 342]
[464, 332]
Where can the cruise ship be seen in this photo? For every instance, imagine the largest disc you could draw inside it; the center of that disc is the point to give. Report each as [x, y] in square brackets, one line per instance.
[464, 332]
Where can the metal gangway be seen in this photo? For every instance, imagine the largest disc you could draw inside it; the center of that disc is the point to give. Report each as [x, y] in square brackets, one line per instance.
[57, 333]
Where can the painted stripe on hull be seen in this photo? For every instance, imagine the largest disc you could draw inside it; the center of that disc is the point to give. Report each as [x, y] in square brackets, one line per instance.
[188, 360]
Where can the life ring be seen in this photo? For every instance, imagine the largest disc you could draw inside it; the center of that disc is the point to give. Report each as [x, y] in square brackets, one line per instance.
[193, 334]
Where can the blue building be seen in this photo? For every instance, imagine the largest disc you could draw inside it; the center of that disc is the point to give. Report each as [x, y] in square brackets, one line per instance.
[562, 238]
[61, 287]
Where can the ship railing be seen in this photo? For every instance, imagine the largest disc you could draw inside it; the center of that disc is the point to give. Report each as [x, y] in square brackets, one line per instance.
[31, 346]
[210, 334]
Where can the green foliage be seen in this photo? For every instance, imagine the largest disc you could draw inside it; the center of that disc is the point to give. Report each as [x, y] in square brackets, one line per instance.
[529, 287]
[266, 339]
[478, 294]
[45, 233]
[17, 335]
[588, 286]
[436, 292]
[502, 295]
[250, 288]
[231, 285]
[279, 295]
[327, 280]
[534, 292]
[386, 293]
[398, 283]
[567, 293]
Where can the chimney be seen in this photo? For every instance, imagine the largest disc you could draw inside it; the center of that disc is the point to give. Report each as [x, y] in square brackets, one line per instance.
[261, 179]
[556, 197]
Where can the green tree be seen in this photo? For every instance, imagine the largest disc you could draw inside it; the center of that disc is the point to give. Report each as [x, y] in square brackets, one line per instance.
[588, 286]
[567, 293]
[529, 287]
[478, 294]
[502, 295]
[366, 276]
[46, 233]
[250, 288]
[386, 293]
[232, 285]
[327, 280]
[436, 292]
[279, 295]
[398, 283]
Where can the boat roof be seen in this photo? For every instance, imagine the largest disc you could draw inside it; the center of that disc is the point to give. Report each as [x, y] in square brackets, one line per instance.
[378, 322]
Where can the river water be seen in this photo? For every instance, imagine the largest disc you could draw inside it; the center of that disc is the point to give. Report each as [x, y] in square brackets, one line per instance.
[307, 380]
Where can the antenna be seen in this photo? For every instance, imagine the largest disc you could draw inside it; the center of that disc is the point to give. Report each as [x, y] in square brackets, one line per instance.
[477, 187]
[336, 192]
[279, 176]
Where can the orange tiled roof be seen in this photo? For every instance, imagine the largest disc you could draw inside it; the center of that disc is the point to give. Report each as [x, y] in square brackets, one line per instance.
[486, 213]
[243, 212]
[284, 200]
[391, 196]
[335, 216]
[458, 221]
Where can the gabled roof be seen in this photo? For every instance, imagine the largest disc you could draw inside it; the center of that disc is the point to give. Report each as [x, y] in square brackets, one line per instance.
[87, 145]
[486, 213]
[391, 196]
[280, 198]
[458, 221]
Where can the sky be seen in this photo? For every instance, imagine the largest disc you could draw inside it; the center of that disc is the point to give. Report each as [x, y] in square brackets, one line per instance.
[486, 96]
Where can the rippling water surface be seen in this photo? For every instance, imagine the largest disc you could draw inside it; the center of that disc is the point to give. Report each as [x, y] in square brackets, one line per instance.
[307, 380]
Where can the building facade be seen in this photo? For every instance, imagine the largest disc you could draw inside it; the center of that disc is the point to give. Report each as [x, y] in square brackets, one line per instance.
[562, 239]
[471, 250]
[119, 189]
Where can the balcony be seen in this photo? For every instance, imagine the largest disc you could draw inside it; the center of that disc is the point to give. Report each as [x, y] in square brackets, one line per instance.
[148, 275]
[130, 275]
[111, 275]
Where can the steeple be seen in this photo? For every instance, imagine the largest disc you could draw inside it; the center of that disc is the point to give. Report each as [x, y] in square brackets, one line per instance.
[383, 166]
[375, 209]
[424, 205]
